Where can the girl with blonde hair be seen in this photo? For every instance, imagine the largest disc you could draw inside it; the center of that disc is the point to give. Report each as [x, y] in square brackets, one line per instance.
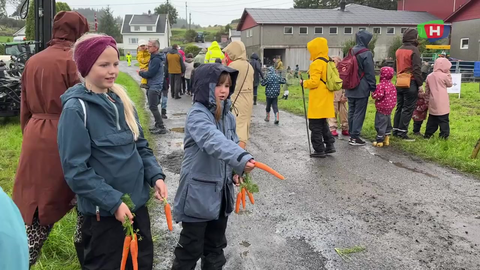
[105, 156]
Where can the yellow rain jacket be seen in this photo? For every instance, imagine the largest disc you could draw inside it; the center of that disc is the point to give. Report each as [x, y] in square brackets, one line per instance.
[242, 109]
[213, 53]
[143, 57]
[320, 102]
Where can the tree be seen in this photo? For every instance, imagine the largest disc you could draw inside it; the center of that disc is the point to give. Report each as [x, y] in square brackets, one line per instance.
[382, 4]
[61, 6]
[30, 24]
[190, 35]
[108, 25]
[396, 43]
[227, 28]
[3, 9]
[167, 8]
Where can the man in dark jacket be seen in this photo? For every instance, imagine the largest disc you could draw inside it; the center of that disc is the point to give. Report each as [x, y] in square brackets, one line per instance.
[257, 68]
[176, 68]
[155, 77]
[408, 61]
[358, 97]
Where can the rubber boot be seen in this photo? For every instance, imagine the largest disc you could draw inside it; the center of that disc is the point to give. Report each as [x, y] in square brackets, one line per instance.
[277, 118]
[164, 114]
[254, 100]
[387, 140]
[267, 118]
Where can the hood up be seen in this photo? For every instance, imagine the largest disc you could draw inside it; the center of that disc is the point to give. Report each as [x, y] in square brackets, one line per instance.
[362, 38]
[214, 46]
[205, 81]
[254, 56]
[271, 70]
[386, 73]
[69, 25]
[236, 51]
[410, 36]
[318, 47]
[442, 65]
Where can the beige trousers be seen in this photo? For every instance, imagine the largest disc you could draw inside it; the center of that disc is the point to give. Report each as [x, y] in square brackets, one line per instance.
[342, 111]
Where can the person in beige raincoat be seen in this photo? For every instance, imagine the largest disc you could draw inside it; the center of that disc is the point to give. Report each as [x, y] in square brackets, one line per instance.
[242, 98]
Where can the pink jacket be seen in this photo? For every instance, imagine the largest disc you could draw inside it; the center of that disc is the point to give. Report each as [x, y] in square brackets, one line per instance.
[436, 89]
[182, 53]
[386, 94]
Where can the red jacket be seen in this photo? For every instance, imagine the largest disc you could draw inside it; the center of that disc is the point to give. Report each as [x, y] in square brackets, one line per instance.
[420, 113]
[386, 94]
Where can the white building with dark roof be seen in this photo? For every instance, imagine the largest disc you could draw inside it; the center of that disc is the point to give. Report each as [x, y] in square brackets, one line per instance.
[136, 27]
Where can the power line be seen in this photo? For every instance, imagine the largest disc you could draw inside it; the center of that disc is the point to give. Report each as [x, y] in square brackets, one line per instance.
[216, 4]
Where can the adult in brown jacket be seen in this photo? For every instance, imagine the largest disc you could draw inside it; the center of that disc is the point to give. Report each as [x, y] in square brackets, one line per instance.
[40, 190]
[242, 98]
[408, 61]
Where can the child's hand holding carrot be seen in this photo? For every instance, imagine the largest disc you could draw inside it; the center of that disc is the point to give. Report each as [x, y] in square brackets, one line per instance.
[123, 211]
[249, 166]
[160, 190]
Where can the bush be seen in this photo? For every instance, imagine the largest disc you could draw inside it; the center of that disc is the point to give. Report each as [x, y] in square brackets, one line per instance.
[2, 49]
[121, 51]
[396, 43]
[190, 35]
[192, 49]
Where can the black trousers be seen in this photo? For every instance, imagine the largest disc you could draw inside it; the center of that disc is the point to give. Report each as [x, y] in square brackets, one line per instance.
[175, 84]
[204, 240]
[103, 242]
[383, 125]
[406, 102]
[184, 84]
[272, 102]
[321, 134]
[417, 125]
[154, 97]
[435, 121]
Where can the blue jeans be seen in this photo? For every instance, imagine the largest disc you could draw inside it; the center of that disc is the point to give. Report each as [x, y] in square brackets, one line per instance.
[357, 108]
[164, 98]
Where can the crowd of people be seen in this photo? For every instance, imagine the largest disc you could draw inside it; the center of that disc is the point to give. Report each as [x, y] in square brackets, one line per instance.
[84, 147]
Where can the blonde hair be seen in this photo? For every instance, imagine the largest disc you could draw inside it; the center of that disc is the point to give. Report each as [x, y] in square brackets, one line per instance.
[128, 107]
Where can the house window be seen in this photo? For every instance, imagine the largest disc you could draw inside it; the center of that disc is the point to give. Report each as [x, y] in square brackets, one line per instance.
[288, 30]
[318, 30]
[362, 28]
[377, 30]
[251, 32]
[348, 30]
[303, 30]
[133, 40]
[464, 43]
[149, 28]
[136, 28]
[403, 29]
[333, 30]
[391, 30]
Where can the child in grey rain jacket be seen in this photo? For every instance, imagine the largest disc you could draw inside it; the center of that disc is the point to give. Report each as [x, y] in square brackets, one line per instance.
[205, 196]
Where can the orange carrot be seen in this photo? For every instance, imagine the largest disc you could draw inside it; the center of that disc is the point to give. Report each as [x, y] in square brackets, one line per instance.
[237, 205]
[250, 196]
[266, 168]
[126, 248]
[244, 198]
[134, 251]
[168, 215]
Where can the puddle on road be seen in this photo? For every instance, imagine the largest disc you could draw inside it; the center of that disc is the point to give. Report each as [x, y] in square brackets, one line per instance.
[245, 244]
[178, 129]
[403, 166]
[179, 114]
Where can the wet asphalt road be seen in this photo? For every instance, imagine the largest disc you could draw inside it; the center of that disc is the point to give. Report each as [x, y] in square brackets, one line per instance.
[205, 45]
[407, 213]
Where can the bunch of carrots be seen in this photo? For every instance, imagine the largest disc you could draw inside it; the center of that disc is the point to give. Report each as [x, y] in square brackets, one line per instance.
[248, 187]
[130, 244]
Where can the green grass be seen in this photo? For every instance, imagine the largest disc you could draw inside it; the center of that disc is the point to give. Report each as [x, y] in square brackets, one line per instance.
[4, 39]
[454, 152]
[58, 252]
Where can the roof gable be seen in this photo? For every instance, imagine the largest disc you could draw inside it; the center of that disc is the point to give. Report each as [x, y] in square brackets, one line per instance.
[159, 22]
[353, 15]
[473, 10]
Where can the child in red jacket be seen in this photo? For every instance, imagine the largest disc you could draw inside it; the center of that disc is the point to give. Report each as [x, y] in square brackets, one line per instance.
[385, 100]
[420, 113]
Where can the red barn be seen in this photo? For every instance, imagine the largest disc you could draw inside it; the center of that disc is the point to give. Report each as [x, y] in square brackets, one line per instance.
[440, 8]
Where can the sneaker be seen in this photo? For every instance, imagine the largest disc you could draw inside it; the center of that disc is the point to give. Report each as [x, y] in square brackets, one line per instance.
[405, 138]
[357, 142]
[159, 130]
[345, 133]
[318, 155]
[164, 116]
[334, 133]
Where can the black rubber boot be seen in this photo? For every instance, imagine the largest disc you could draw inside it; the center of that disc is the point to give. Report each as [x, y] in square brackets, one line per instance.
[164, 114]
[254, 100]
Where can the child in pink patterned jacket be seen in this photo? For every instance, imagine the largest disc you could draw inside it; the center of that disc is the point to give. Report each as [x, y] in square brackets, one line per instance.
[385, 100]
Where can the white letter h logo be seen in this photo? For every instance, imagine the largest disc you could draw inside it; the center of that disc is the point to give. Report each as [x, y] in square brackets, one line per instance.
[437, 31]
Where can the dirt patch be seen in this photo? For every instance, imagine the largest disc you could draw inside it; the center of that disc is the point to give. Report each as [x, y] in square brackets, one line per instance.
[173, 161]
[178, 129]
[179, 114]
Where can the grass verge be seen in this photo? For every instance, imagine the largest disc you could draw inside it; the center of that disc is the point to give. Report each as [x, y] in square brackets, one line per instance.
[58, 251]
[454, 153]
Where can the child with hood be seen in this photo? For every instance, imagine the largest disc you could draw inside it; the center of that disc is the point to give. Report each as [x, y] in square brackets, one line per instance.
[320, 102]
[143, 58]
[420, 113]
[188, 72]
[212, 164]
[104, 156]
[129, 59]
[385, 96]
[439, 103]
[272, 90]
[341, 110]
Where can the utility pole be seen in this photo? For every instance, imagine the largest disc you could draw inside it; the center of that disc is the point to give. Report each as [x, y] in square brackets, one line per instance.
[186, 17]
[190, 22]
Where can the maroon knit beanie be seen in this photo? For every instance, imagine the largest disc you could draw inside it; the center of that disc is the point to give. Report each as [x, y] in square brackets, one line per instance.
[87, 52]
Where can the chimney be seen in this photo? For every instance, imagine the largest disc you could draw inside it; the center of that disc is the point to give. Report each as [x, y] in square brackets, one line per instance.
[342, 5]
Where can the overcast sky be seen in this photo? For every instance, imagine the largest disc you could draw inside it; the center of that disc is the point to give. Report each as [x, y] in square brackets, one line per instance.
[204, 12]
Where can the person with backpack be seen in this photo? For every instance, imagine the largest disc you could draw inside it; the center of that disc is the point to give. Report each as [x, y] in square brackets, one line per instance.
[357, 71]
[272, 84]
[320, 102]
[409, 83]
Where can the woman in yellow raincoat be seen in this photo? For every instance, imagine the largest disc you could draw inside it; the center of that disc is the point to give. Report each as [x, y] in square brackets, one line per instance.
[320, 102]
[143, 57]
[213, 53]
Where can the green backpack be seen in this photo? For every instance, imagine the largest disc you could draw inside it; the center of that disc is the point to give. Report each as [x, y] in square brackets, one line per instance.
[333, 83]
